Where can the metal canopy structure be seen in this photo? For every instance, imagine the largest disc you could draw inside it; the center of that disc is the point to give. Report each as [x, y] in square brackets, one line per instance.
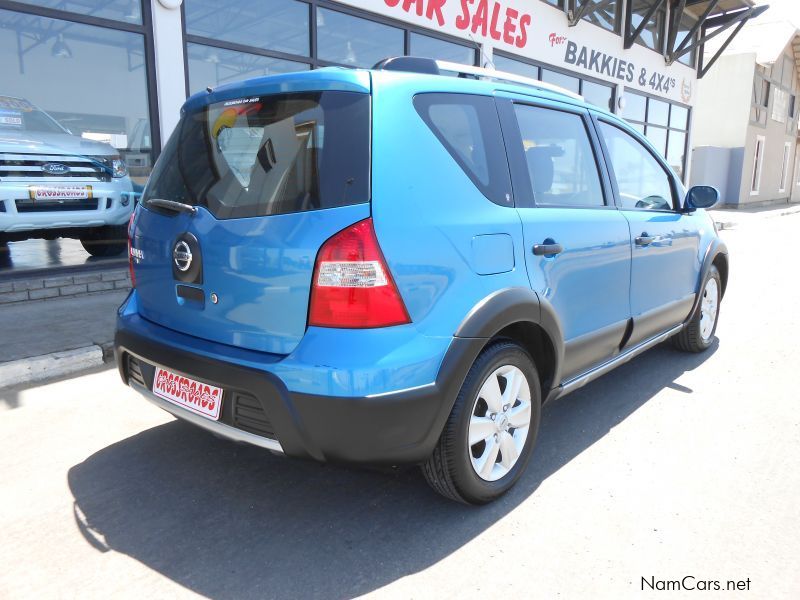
[578, 9]
[710, 19]
[632, 34]
[715, 25]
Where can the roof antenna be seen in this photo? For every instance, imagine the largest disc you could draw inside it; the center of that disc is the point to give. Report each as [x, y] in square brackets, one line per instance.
[484, 56]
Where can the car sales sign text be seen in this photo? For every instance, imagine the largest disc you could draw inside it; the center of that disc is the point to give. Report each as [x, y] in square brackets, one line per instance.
[486, 18]
[540, 32]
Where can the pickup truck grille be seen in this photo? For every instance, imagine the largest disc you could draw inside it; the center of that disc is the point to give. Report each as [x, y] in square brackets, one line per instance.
[30, 206]
[29, 167]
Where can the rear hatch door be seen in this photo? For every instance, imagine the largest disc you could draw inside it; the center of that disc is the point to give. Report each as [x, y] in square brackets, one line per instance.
[263, 179]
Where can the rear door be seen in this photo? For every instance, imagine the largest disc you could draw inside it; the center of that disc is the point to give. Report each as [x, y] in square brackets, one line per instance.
[577, 245]
[270, 177]
[665, 242]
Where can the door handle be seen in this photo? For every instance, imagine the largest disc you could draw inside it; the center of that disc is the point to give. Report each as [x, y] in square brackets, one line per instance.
[645, 240]
[549, 249]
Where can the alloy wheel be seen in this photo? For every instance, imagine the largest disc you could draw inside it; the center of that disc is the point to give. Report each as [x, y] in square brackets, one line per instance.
[499, 424]
[708, 308]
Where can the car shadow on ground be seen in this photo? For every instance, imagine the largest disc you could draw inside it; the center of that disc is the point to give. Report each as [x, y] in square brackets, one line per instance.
[228, 520]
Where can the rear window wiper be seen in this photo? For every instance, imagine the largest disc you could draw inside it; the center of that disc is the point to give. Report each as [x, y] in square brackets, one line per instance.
[172, 205]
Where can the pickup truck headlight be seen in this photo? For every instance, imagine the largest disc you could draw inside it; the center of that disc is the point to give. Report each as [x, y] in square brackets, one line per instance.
[118, 166]
[114, 163]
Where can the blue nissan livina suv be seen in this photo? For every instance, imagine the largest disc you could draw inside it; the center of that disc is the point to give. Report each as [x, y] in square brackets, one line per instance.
[400, 266]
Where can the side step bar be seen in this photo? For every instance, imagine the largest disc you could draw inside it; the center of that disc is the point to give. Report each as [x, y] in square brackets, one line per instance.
[581, 380]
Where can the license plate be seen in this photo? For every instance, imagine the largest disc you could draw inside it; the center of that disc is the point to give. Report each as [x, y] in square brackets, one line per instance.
[60, 192]
[198, 397]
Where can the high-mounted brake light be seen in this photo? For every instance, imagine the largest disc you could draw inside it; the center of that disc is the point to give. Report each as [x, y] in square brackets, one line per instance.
[130, 251]
[352, 286]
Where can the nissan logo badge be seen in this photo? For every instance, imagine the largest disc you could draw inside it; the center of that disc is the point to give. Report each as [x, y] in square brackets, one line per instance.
[182, 256]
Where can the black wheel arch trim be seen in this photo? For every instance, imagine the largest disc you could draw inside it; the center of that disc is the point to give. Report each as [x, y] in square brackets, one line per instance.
[716, 249]
[513, 305]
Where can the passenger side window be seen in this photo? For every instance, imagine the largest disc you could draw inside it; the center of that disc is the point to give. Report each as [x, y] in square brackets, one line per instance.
[642, 181]
[469, 129]
[560, 159]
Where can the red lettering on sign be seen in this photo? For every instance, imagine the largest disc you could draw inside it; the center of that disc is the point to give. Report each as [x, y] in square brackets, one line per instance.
[432, 10]
[489, 18]
[435, 7]
[479, 21]
[510, 26]
[462, 20]
[493, 30]
[407, 6]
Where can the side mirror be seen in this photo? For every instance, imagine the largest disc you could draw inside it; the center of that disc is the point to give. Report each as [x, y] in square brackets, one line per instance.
[701, 196]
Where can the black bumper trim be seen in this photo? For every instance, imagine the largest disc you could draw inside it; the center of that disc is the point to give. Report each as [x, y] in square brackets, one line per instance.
[394, 428]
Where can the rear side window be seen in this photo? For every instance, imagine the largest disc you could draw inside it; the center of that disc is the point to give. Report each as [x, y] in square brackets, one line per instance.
[269, 155]
[469, 129]
[561, 162]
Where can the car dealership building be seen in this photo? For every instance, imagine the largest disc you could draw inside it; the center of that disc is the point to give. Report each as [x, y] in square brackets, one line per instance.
[117, 71]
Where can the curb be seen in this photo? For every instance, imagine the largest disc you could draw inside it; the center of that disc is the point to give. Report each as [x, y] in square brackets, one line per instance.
[56, 364]
[728, 225]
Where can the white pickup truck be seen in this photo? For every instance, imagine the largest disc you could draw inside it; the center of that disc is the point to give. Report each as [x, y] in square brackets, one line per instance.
[55, 184]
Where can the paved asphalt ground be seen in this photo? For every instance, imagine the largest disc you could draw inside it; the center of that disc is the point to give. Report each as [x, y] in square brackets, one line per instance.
[674, 465]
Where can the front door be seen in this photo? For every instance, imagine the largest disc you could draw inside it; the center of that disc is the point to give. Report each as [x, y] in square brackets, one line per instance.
[577, 245]
[664, 242]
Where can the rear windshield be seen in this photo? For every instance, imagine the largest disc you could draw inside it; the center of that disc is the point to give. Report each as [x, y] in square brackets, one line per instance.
[269, 155]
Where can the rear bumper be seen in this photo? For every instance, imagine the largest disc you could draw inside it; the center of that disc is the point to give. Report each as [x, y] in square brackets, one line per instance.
[232, 433]
[388, 428]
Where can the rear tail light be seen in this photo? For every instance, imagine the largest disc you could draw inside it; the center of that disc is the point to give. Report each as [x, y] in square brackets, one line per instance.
[352, 286]
[130, 251]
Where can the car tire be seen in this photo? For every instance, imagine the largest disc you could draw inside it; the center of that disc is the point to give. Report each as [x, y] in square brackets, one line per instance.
[479, 473]
[106, 241]
[698, 335]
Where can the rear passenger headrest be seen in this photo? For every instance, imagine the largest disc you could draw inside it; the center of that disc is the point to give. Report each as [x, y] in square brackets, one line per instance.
[540, 165]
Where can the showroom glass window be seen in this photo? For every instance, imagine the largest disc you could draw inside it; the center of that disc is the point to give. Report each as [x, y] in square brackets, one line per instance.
[355, 42]
[127, 11]
[275, 33]
[92, 80]
[665, 124]
[279, 25]
[518, 67]
[236, 40]
[431, 47]
[215, 66]
[594, 92]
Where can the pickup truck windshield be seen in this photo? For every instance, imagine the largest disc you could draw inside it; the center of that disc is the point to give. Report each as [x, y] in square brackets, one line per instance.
[17, 114]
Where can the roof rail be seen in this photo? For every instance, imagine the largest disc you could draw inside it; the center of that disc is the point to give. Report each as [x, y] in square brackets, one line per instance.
[429, 66]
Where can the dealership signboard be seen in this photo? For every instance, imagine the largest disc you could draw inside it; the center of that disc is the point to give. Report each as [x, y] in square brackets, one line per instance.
[540, 32]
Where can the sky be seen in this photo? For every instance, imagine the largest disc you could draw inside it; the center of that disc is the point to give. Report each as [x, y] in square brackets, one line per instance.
[782, 10]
